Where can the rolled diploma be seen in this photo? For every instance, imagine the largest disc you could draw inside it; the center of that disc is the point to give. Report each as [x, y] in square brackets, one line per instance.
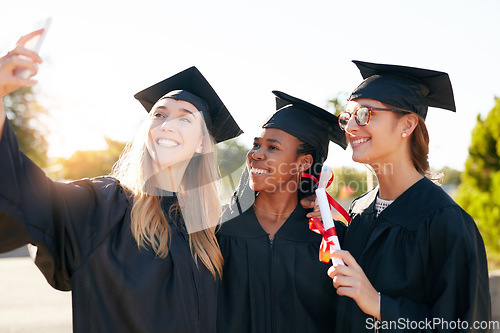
[326, 216]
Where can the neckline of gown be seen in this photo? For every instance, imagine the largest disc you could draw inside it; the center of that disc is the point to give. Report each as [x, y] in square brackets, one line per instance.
[295, 228]
[415, 200]
[167, 199]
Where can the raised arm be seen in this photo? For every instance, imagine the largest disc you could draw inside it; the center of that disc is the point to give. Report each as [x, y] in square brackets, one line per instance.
[11, 65]
[66, 221]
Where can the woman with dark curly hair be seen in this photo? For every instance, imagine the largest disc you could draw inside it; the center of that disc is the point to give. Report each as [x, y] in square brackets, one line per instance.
[273, 280]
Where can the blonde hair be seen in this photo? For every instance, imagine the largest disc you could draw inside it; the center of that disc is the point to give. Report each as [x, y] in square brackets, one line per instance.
[198, 198]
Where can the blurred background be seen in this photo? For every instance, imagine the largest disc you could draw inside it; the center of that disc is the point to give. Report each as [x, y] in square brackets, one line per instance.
[98, 54]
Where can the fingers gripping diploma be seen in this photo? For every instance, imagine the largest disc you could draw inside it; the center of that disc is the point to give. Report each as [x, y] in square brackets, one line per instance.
[311, 203]
[351, 281]
[308, 202]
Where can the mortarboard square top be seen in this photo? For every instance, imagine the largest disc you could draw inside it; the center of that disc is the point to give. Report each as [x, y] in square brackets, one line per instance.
[409, 88]
[191, 86]
[307, 122]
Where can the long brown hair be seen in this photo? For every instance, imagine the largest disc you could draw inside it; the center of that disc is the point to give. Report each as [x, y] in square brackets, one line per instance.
[419, 145]
[198, 201]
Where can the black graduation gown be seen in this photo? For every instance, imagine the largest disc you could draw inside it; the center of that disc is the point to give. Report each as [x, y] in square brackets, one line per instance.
[82, 230]
[425, 256]
[273, 287]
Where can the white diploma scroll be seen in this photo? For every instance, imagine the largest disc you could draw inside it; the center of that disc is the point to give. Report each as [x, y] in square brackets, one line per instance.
[326, 213]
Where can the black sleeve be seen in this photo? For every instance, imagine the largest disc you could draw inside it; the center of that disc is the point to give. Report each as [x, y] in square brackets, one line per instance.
[457, 278]
[66, 221]
[341, 228]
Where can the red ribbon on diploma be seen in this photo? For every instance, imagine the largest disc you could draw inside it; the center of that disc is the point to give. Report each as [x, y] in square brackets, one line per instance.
[331, 201]
[316, 225]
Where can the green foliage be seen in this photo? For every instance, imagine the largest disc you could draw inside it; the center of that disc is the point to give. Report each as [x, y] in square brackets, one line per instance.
[338, 102]
[25, 115]
[231, 157]
[349, 183]
[92, 163]
[479, 192]
[450, 176]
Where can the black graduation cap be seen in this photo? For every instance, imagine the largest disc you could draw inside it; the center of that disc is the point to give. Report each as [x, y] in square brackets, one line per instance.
[408, 88]
[191, 86]
[306, 122]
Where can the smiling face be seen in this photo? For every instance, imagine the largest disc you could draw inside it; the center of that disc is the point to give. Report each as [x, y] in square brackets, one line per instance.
[380, 141]
[273, 163]
[175, 132]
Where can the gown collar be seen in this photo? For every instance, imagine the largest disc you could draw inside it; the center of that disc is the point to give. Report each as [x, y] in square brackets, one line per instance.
[416, 203]
[295, 228]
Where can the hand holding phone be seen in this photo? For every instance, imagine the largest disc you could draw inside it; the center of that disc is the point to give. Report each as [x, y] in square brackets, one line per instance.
[35, 43]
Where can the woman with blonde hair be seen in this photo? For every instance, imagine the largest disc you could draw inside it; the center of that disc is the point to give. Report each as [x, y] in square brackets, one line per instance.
[137, 250]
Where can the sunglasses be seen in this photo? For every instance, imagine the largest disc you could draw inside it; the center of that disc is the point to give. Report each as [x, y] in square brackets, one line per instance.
[362, 115]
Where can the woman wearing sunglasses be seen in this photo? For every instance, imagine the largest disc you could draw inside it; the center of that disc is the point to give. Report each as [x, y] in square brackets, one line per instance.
[414, 259]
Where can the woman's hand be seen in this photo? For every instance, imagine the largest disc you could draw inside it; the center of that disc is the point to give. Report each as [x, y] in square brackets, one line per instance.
[17, 61]
[351, 281]
[316, 213]
[308, 202]
[12, 65]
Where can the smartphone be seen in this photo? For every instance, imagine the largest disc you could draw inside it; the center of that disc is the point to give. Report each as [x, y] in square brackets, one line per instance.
[35, 43]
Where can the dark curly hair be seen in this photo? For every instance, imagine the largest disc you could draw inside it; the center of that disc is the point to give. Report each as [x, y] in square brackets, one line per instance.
[308, 186]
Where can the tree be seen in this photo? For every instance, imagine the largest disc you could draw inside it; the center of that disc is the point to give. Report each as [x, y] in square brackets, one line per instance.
[338, 102]
[231, 157]
[479, 192]
[92, 163]
[26, 117]
[450, 176]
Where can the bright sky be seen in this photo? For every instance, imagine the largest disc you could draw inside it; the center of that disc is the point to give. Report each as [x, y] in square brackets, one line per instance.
[99, 53]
